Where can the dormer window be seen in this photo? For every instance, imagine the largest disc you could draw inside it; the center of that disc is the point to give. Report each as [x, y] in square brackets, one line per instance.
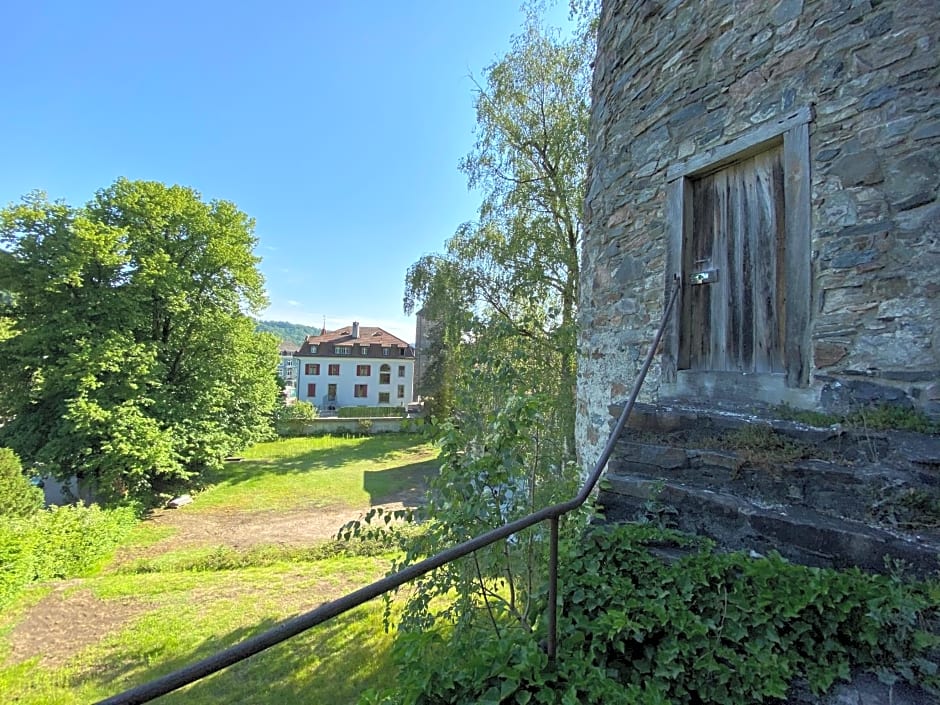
[313, 349]
[342, 349]
[363, 350]
[386, 351]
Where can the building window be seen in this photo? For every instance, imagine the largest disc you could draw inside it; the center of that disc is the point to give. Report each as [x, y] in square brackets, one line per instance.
[313, 349]
[334, 370]
[361, 391]
[384, 398]
[363, 350]
[401, 370]
[342, 349]
[385, 374]
[386, 351]
[331, 392]
[401, 391]
[311, 389]
[312, 368]
[363, 370]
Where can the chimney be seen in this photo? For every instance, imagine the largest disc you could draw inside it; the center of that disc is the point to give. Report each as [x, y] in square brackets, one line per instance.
[355, 332]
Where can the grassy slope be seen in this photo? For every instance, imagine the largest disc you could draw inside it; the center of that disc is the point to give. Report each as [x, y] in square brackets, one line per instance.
[186, 615]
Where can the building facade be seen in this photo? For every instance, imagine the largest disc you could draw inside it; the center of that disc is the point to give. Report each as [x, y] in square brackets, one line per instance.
[781, 161]
[287, 368]
[355, 366]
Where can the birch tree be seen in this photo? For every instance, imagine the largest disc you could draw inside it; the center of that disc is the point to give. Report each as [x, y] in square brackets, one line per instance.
[510, 278]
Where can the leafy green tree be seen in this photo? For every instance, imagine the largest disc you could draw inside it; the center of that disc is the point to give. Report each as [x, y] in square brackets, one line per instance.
[133, 363]
[501, 305]
[438, 283]
[512, 276]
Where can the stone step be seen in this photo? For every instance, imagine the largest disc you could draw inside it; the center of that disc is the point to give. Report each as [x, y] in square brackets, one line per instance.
[915, 451]
[800, 534]
[858, 491]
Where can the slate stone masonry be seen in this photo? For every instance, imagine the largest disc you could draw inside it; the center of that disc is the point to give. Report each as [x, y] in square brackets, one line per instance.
[674, 79]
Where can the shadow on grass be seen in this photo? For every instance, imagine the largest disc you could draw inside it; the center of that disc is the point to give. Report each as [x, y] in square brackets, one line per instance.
[407, 484]
[380, 450]
[377, 449]
[331, 663]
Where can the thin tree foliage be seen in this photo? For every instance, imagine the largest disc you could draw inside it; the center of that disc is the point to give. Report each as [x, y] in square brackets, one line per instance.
[508, 281]
[501, 306]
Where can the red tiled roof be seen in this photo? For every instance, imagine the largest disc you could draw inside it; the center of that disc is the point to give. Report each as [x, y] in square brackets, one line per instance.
[368, 335]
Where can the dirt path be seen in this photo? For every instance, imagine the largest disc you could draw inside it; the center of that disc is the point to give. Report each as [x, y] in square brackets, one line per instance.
[71, 618]
[66, 621]
[241, 530]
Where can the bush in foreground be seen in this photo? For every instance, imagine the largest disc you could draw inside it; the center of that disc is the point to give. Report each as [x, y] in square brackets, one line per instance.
[706, 628]
[18, 497]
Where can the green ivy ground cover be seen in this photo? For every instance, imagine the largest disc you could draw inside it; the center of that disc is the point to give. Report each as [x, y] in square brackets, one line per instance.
[707, 628]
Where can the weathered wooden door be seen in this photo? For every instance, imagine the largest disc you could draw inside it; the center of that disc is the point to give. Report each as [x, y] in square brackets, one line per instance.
[733, 263]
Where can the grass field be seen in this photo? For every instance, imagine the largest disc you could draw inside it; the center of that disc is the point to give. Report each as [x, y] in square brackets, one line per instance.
[318, 472]
[78, 641]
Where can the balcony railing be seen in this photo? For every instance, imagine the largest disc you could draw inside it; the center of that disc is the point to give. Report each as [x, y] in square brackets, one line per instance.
[292, 627]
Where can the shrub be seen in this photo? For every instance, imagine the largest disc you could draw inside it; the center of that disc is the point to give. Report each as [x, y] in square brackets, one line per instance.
[59, 542]
[18, 497]
[358, 412]
[886, 417]
[706, 628]
[290, 419]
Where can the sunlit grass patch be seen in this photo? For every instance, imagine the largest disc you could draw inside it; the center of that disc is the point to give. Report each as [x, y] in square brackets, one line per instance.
[180, 603]
[319, 472]
[190, 615]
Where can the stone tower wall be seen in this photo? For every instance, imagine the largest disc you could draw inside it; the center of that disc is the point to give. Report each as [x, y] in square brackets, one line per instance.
[677, 80]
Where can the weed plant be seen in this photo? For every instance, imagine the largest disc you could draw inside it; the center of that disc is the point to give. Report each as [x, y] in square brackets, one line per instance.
[885, 417]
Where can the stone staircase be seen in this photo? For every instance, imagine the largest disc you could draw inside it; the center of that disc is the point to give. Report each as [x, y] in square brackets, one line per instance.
[826, 496]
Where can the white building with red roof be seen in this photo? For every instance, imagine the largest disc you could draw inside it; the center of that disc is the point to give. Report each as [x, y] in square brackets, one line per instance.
[355, 366]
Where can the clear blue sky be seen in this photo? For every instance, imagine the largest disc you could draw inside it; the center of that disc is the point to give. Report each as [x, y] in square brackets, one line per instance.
[338, 126]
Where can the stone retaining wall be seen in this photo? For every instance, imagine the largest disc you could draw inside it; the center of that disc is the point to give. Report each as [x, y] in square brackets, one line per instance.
[333, 425]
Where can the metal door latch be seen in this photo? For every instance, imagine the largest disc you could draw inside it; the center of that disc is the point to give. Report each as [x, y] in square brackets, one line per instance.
[708, 276]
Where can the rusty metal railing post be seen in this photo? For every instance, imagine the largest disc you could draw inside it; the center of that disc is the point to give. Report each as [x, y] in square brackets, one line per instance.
[553, 593]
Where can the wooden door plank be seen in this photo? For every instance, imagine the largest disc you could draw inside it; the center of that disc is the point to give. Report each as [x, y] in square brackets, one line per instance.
[798, 278]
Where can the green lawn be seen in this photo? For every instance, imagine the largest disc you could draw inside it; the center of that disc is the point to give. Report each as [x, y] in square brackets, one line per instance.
[320, 471]
[175, 615]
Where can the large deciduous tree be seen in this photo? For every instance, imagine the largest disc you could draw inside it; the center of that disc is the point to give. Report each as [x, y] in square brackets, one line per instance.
[132, 361]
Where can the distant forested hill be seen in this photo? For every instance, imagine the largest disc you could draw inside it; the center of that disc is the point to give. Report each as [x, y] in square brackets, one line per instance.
[289, 332]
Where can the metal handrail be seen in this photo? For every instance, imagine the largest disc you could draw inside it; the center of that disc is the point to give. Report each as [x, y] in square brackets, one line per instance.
[296, 625]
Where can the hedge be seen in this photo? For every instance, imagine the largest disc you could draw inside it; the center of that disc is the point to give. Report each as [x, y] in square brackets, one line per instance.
[364, 412]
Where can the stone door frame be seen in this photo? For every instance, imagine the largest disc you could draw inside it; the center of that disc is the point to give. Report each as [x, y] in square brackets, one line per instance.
[792, 131]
